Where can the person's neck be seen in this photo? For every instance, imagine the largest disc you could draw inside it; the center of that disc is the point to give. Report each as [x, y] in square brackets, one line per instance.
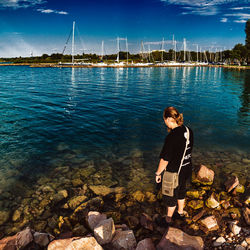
[175, 126]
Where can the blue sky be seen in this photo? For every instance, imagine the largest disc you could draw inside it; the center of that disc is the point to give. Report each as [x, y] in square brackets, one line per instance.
[43, 26]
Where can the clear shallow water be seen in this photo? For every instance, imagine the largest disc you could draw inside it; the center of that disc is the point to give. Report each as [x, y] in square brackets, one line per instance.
[50, 116]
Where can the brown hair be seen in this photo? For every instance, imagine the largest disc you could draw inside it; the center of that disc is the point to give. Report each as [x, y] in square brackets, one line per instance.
[173, 112]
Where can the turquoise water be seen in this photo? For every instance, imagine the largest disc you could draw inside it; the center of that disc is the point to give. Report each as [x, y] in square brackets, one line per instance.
[103, 113]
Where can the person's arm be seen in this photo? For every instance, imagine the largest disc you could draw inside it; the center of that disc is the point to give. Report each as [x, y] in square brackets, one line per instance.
[162, 165]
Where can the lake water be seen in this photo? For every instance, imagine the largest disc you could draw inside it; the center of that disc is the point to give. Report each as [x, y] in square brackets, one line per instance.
[52, 117]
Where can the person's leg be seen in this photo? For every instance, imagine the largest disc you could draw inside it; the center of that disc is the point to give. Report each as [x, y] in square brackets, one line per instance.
[180, 203]
[170, 212]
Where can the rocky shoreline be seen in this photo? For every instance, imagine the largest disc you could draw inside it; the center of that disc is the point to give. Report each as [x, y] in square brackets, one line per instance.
[220, 217]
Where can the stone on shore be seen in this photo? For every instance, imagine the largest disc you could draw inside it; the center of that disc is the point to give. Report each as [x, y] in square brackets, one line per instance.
[209, 224]
[204, 176]
[146, 221]
[235, 229]
[42, 239]
[212, 201]
[124, 240]
[231, 183]
[181, 239]
[146, 244]
[218, 242]
[88, 243]
[104, 231]
[246, 214]
[8, 243]
[23, 238]
[94, 218]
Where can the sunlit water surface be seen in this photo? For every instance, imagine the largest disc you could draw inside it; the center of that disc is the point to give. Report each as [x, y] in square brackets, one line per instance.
[53, 116]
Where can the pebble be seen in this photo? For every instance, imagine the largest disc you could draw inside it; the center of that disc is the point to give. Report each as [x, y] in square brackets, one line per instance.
[219, 242]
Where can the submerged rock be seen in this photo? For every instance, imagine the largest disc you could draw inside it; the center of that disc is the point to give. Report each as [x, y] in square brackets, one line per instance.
[196, 204]
[4, 216]
[138, 196]
[76, 201]
[195, 194]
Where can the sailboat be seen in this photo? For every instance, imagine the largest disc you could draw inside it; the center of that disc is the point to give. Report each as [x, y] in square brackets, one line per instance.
[74, 61]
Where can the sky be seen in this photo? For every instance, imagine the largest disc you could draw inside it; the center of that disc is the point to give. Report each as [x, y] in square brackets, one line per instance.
[36, 27]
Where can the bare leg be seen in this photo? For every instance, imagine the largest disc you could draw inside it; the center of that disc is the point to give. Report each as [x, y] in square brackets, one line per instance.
[170, 212]
[181, 206]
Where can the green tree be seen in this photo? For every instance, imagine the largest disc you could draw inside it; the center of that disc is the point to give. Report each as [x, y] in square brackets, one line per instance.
[247, 30]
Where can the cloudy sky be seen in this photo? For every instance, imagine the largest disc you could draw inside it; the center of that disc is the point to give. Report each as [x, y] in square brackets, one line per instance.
[43, 26]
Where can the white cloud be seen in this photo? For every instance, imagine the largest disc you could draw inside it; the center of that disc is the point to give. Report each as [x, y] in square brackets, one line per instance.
[242, 17]
[16, 4]
[240, 21]
[49, 11]
[224, 20]
[202, 11]
[203, 7]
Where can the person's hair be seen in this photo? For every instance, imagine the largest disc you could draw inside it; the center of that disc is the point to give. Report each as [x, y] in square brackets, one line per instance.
[173, 112]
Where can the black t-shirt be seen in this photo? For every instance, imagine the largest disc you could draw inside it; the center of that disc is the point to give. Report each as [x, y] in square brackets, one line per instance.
[174, 146]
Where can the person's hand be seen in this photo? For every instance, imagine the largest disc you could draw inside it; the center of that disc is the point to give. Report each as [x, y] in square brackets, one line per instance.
[158, 178]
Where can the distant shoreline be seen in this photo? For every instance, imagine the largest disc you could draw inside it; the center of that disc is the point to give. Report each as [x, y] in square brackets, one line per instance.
[55, 65]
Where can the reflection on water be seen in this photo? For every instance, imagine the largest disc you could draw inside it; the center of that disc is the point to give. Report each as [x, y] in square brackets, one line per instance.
[102, 112]
[245, 100]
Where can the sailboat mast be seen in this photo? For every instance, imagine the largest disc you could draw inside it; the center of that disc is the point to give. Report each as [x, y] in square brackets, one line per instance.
[162, 48]
[73, 42]
[102, 49]
[197, 53]
[118, 50]
[127, 48]
[184, 49]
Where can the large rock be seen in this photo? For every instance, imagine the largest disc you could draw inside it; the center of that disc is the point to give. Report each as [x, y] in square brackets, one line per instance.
[213, 201]
[24, 238]
[181, 239]
[231, 183]
[94, 218]
[246, 214]
[209, 224]
[104, 231]
[88, 243]
[146, 221]
[146, 244]
[124, 240]
[75, 243]
[204, 176]
[8, 243]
